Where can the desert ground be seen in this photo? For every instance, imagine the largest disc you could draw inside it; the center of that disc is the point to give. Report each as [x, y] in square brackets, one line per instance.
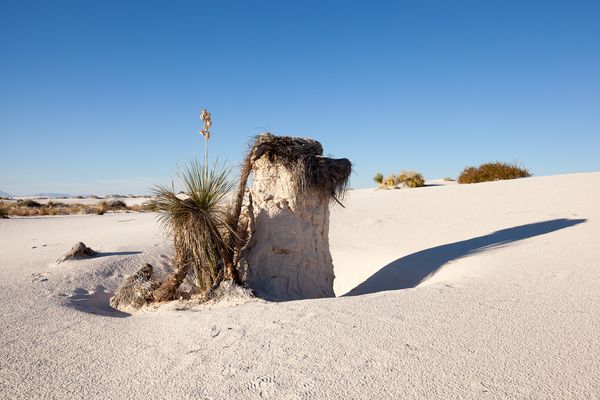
[484, 291]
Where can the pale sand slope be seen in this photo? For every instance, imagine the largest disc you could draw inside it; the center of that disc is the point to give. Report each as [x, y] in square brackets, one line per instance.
[512, 312]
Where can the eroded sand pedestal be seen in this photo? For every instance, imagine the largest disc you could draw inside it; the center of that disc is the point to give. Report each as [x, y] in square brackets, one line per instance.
[288, 254]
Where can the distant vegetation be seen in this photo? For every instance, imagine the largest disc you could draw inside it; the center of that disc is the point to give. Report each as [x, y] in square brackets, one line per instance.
[493, 171]
[411, 179]
[3, 210]
[408, 179]
[31, 208]
[29, 203]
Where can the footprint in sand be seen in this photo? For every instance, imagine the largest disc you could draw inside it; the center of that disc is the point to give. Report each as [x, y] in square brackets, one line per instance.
[263, 385]
[39, 277]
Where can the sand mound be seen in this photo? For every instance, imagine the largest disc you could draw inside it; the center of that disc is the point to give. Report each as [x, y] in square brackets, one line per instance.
[78, 251]
[228, 291]
[136, 291]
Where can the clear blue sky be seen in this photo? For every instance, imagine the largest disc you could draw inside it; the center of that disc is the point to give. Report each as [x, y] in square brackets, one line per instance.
[104, 96]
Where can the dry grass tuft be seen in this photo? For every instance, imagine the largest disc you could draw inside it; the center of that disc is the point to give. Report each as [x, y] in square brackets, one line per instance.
[493, 171]
[391, 181]
[303, 157]
[406, 179]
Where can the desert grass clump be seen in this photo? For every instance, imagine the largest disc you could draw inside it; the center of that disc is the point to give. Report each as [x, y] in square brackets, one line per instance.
[411, 179]
[102, 208]
[198, 223]
[493, 171]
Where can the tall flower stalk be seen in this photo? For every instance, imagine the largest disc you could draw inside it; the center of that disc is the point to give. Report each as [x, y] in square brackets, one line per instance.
[206, 118]
[204, 228]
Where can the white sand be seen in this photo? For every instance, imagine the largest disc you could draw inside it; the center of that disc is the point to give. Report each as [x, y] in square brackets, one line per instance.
[512, 314]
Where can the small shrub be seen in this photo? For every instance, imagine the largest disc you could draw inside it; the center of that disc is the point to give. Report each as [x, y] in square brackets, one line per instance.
[117, 205]
[390, 181]
[56, 204]
[448, 179]
[29, 203]
[147, 206]
[493, 171]
[411, 179]
[378, 178]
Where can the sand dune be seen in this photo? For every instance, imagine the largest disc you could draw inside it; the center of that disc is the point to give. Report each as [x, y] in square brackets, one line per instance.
[452, 291]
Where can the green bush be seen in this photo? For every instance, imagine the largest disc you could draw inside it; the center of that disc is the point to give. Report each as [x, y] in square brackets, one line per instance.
[411, 179]
[493, 171]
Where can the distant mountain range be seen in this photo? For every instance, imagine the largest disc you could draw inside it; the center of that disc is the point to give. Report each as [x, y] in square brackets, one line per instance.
[49, 195]
[53, 195]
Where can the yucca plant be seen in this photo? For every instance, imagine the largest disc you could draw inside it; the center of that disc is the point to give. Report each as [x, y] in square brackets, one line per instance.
[378, 178]
[198, 222]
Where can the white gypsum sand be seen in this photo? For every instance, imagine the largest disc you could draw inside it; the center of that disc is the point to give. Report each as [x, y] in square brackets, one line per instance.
[459, 291]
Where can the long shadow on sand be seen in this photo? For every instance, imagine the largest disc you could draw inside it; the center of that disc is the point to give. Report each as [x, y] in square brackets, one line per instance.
[409, 271]
[117, 253]
[95, 302]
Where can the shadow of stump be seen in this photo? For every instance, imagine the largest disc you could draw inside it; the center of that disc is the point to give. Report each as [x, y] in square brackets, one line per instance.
[409, 271]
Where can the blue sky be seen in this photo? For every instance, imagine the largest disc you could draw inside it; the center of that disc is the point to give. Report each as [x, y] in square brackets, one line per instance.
[104, 96]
